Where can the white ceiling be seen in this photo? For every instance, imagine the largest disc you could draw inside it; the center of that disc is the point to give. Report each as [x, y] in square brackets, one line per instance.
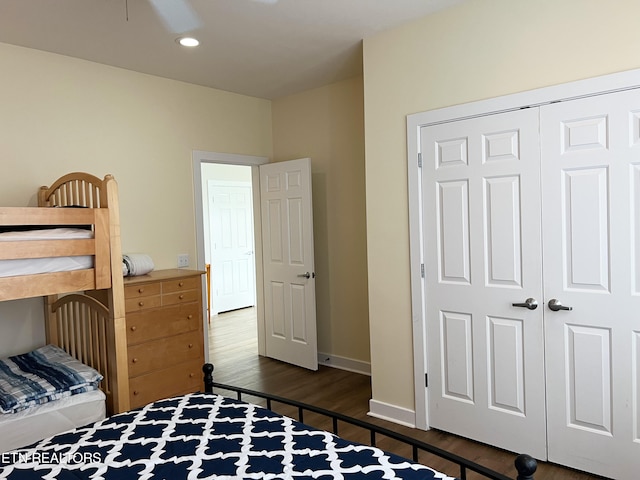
[261, 48]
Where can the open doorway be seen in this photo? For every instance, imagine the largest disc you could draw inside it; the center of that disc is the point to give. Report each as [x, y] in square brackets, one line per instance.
[226, 172]
[282, 211]
[228, 236]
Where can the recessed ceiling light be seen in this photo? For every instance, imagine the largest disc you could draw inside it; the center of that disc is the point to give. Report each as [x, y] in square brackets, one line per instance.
[188, 41]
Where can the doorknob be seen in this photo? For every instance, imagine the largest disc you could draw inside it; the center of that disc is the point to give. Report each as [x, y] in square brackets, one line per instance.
[529, 303]
[306, 275]
[556, 305]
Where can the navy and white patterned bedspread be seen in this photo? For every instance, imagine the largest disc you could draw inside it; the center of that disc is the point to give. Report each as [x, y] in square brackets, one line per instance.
[200, 436]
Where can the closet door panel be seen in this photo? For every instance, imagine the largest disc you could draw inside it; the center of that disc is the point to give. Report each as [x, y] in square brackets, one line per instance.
[585, 208]
[453, 232]
[588, 360]
[636, 386]
[457, 363]
[481, 207]
[634, 174]
[507, 381]
[503, 254]
[590, 157]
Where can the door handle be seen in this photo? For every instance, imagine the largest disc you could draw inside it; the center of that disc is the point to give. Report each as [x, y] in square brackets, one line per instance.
[530, 303]
[305, 275]
[556, 305]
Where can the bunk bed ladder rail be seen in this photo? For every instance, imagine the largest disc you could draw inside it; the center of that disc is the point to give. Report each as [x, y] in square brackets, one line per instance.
[525, 464]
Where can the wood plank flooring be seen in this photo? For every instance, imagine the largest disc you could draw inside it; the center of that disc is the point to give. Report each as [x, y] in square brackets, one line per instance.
[233, 350]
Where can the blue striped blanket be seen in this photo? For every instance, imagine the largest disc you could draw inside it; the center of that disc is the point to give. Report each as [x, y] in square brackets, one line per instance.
[45, 374]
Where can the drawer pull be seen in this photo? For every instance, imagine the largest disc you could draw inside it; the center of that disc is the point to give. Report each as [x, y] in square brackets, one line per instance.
[180, 284]
[141, 304]
[191, 345]
[135, 360]
[189, 317]
[135, 392]
[181, 296]
[134, 328]
[191, 375]
[140, 290]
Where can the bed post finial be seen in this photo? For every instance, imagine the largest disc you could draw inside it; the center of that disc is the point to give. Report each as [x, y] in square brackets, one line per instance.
[526, 466]
[207, 368]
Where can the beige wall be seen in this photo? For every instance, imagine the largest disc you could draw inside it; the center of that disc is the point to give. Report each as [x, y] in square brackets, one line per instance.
[481, 49]
[59, 114]
[326, 124]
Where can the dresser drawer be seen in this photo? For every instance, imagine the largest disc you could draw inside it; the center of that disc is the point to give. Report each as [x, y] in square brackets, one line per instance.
[181, 284]
[144, 290]
[164, 352]
[148, 325]
[176, 380]
[142, 303]
[180, 297]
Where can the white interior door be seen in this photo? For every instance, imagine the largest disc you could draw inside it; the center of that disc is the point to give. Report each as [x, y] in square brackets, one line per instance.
[232, 255]
[591, 178]
[482, 250]
[288, 259]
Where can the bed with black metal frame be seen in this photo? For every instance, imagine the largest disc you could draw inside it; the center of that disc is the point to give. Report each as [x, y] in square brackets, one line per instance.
[213, 436]
[524, 464]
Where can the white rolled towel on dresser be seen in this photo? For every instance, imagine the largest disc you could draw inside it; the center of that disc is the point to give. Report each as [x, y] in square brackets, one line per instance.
[134, 264]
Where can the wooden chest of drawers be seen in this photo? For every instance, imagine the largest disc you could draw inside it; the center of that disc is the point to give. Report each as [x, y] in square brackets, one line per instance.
[165, 342]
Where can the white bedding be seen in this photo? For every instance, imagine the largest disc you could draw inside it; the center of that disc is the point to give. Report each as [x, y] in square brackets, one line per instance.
[28, 426]
[32, 266]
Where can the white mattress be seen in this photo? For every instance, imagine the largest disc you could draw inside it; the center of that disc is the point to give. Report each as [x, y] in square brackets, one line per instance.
[32, 266]
[28, 426]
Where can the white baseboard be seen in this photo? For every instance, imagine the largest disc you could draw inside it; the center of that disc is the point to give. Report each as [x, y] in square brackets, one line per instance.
[384, 411]
[349, 364]
[392, 413]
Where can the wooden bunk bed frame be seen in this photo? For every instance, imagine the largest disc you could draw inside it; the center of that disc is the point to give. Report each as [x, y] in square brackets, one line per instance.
[88, 330]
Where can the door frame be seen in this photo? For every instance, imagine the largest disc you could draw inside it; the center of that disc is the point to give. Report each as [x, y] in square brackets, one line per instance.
[533, 98]
[199, 157]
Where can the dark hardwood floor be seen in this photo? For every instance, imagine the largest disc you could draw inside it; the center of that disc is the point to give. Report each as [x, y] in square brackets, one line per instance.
[234, 352]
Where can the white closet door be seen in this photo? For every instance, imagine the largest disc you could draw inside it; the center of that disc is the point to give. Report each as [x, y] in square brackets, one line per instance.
[482, 250]
[591, 227]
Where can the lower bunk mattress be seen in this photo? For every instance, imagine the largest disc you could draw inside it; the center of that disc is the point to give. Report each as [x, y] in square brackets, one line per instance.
[28, 426]
[204, 436]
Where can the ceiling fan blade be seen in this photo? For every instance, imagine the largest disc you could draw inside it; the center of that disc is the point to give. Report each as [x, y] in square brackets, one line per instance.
[177, 15]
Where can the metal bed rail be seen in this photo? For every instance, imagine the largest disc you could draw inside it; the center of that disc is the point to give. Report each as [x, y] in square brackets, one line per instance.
[525, 464]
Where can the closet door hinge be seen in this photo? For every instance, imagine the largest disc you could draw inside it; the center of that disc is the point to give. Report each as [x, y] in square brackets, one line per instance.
[419, 160]
[422, 270]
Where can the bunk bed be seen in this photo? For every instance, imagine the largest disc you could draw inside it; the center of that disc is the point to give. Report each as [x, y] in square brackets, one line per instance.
[38, 258]
[214, 436]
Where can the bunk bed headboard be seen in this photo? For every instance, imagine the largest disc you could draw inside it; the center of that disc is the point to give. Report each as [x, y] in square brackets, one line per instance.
[76, 189]
[91, 336]
[78, 324]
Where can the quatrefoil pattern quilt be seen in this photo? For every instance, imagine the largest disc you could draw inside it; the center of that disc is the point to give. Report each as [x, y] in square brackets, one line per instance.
[200, 436]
